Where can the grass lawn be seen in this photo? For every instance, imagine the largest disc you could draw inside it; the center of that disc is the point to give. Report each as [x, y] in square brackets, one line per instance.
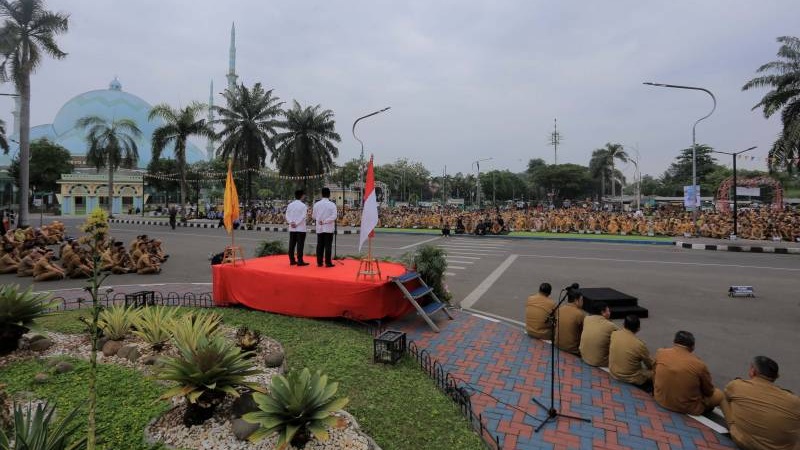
[399, 406]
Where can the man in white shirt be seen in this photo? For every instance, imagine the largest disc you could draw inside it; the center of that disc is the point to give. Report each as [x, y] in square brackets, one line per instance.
[325, 214]
[296, 216]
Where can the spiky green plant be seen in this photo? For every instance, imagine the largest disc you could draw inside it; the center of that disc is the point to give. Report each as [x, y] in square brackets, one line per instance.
[37, 429]
[187, 329]
[117, 321]
[297, 404]
[269, 248]
[431, 263]
[206, 373]
[18, 310]
[154, 325]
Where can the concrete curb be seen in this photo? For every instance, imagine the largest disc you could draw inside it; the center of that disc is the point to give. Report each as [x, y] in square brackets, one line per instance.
[739, 248]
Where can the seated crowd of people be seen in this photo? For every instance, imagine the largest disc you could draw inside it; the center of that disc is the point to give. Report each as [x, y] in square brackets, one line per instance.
[29, 252]
[759, 414]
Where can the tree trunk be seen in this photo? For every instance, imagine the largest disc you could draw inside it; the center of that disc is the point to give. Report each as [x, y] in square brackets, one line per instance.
[24, 146]
[110, 189]
[180, 150]
[613, 183]
[602, 186]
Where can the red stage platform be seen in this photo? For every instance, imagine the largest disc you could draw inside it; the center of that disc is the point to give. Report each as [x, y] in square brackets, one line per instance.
[271, 284]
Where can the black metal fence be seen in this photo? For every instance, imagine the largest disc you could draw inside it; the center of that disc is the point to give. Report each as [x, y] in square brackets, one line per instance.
[106, 299]
[450, 386]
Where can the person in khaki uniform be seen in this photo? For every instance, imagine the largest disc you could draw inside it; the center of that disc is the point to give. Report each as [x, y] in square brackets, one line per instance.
[569, 322]
[629, 360]
[538, 308]
[596, 336]
[682, 381]
[761, 415]
[44, 270]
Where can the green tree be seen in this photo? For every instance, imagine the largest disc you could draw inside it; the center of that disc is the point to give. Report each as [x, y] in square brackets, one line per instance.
[3, 141]
[783, 77]
[406, 180]
[679, 173]
[307, 145]
[649, 185]
[179, 126]
[112, 144]
[157, 168]
[249, 123]
[502, 185]
[602, 165]
[48, 162]
[28, 31]
[565, 181]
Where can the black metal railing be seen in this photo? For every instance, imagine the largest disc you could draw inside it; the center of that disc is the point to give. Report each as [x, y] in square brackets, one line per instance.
[453, 389]
[106, 299]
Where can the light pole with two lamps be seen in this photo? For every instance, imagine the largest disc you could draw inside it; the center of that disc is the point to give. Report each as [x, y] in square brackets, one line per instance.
[735, 203]
[694, 144]
[478, 181]
[361, 159]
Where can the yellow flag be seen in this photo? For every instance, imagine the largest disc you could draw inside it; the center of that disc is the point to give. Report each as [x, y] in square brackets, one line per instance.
[231, 203]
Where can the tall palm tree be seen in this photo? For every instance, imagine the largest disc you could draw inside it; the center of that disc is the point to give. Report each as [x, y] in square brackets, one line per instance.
[615, 152]
[599, 168]
[179, 125]
[783, 76]
[3, 140]
[307, 144]
[28, 30]
[111, 144]
[248, 127]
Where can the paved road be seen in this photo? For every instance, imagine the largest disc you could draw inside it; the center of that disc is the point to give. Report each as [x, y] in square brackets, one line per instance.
[683, 289]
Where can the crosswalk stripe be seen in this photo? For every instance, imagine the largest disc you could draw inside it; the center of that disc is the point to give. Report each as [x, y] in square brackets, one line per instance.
[450, 274]
[456, 267]
[460, 262]
[475, 253]
[460, 256]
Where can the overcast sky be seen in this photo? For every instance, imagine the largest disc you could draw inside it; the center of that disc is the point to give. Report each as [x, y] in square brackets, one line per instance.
[466, 80]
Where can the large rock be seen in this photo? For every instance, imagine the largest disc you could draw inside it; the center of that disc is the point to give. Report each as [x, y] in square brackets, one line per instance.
[41, 344]
[243, 405]
[274, 359]
[41, 378]
[131, 354]
[64, 367]
[149, 360]
[36, 337]
[111, 348]
[102, 341]
[243, 429]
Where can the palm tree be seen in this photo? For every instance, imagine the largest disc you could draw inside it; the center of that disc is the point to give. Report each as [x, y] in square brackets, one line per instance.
[111, 144]
[307, 144]
[614, 152]
[178, 127]
[28, 31]
[248, 127]
[783, 76]
[3, 141]
[598, 168]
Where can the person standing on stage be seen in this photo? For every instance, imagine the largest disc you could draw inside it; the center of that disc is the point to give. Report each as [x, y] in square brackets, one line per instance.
[324, 213]
[296, 216]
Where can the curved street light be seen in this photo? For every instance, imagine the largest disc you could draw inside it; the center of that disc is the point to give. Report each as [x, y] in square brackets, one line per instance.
[361, 158]
[694, 143]
[735, 203]
[478, 180]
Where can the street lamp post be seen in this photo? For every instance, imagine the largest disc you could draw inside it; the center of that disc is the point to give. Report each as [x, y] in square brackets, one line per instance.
[735, 202]
[694, 142]
[478, 181]
[361, 159]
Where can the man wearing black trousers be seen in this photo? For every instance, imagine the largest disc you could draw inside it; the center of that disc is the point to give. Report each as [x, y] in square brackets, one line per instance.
[324, 213]
[296, 216]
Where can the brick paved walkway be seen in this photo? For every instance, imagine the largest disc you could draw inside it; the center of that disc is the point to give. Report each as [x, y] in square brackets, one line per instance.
[503, 361]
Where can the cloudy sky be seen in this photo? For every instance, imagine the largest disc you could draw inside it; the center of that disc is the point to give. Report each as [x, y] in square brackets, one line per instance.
[466, 80]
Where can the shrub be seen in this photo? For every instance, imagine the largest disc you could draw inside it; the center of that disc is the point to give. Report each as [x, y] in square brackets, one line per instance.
[205, 374]
[187, 329]
[36, 429]
[269, 248]
[297, 406]
[117, 321]
[154, 325]
[18, 310]
[431, 263]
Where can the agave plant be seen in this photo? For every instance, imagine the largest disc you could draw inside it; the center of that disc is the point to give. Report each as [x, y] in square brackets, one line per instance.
[154, 324]
[247, 339]
[117, 321]
[36, 429]
[18, 310]
[298, 405]
[431, 263]
[187, 329]
[206, 373]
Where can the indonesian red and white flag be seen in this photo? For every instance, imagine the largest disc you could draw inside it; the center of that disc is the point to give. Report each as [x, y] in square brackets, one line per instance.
[369, 213]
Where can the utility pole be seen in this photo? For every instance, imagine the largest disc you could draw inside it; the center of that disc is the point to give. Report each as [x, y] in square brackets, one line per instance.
[555, 139]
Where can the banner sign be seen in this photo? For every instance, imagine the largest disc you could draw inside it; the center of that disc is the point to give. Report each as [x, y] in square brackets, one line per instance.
[748, 192]
[691, 196]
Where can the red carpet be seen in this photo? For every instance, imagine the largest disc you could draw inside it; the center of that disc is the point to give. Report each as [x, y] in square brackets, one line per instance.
[271, 284]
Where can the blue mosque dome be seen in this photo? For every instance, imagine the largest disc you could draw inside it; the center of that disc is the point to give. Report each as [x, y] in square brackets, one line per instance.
[112, 103]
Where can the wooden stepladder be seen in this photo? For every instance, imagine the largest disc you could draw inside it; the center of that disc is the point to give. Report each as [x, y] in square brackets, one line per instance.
[412, 296]
[232, 254]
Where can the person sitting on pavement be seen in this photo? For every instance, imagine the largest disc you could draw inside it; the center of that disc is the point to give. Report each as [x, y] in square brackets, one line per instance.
[629, 360]
[761, 415]
[681, 380]
[569, 322]
[75, 264]
[9, 263]
[147, 264]
[25, 268]
[44, 270]
[538, 313]
[596, 336]
[122, 260]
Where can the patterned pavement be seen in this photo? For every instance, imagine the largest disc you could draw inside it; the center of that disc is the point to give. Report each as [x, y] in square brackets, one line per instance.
[501, 360]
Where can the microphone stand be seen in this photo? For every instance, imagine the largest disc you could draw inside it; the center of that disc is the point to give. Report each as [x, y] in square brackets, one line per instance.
[552, 412]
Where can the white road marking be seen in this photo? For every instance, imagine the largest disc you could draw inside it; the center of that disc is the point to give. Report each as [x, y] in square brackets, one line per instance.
[677, 263]
[456, 267]
[459, 262]
[450, 274]
[459, 256]
[500, 318]
[458, 252]
[467, 245]
[476, 294]
[418, 243]
[481, 316]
